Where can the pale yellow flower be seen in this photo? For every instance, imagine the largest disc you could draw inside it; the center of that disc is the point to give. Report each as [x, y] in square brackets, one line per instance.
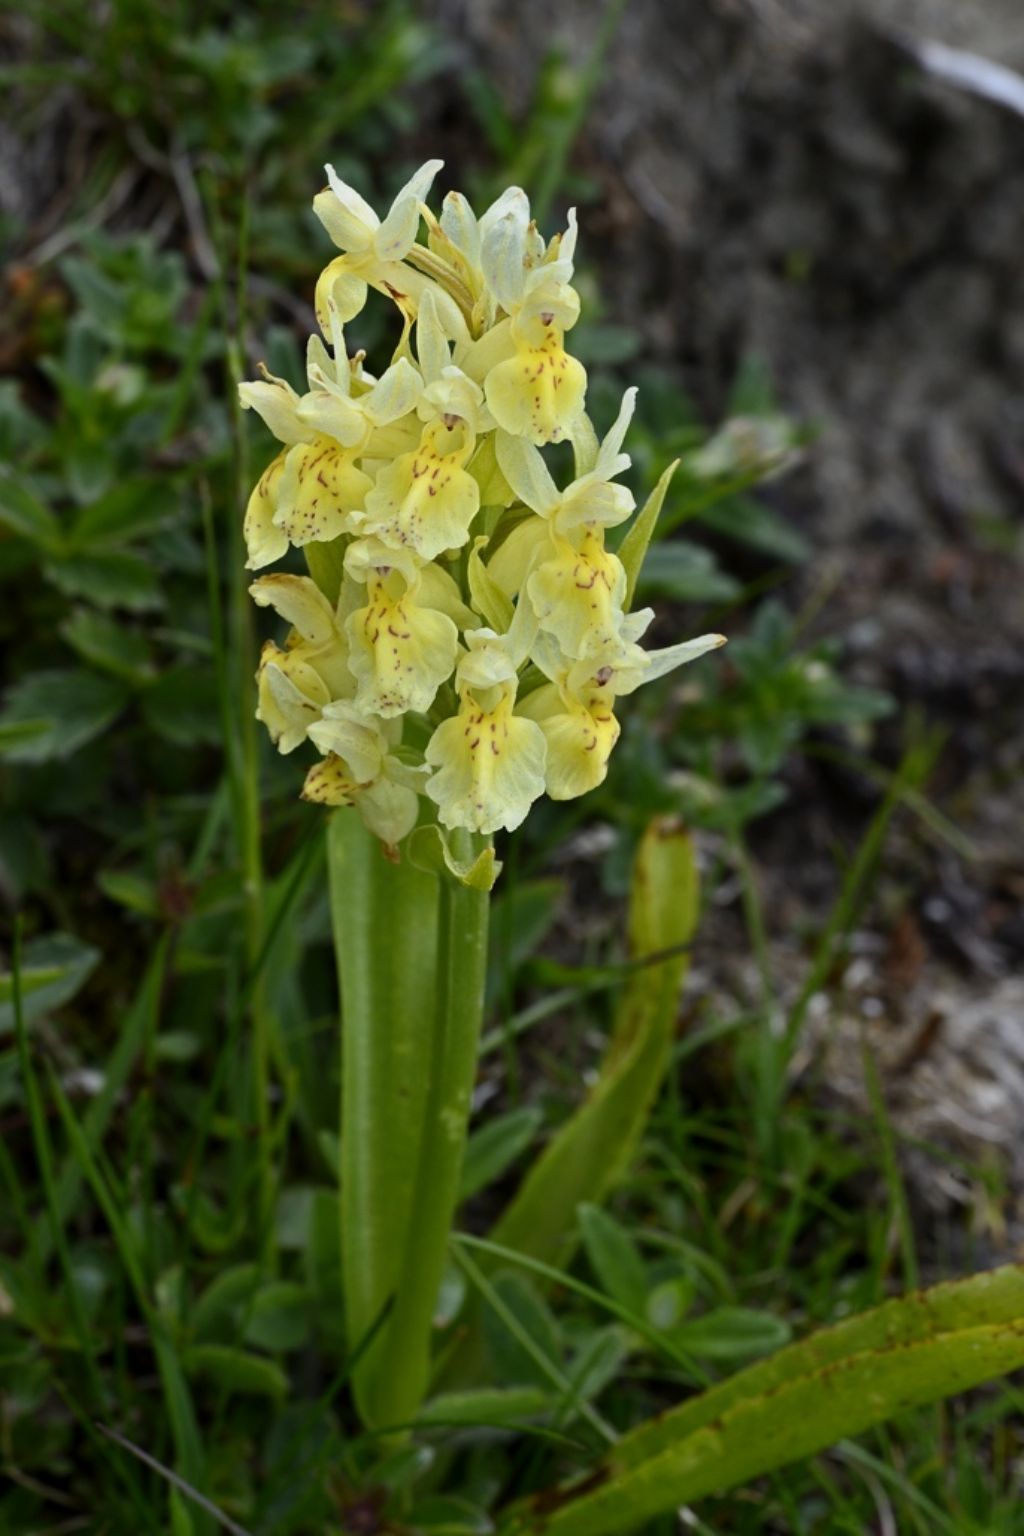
[488, 760]
[360, 769]
[426, 499]
[295, 682]
[310, 493]
[372, 247]
[403, 643]
[576, 709]
[440, 515]
[539, 391]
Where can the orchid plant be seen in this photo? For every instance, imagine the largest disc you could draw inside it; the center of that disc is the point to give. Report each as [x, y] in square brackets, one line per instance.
[456, 650]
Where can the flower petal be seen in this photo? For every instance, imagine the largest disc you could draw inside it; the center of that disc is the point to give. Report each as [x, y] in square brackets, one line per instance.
[432, 347]
[400, 652]
[330, 782]
[345, 214]
[489, 767]
[426, 499]
[320, 489]
[503, 251]
[460, 225]
[300, 603]
[611, 460]
[394, 394]
[291, 695]
[276, 401]
[538, 392]
[341, 287]
[346, 733]
[580, 735]
[527, 474]
[389, 810]
[398, 231]
[577, 594]
[264, 541]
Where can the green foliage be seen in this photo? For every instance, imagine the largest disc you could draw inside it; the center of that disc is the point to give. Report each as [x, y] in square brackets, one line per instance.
[594, 1147]
[838, 1383]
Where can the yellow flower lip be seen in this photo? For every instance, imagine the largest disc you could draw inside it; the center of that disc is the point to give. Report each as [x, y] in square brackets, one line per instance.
[539, 392]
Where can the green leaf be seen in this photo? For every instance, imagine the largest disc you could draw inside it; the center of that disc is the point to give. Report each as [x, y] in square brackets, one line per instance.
[15, 734]
[732, 1333]
[326, 565]
[224, 1301]
[236, 1370]
[182, 706]
[89, 469]
[838, 1383]
[688, 573]
[280, 1317]
[598, 1361]
[130, 891]
[486, 596]
[385, 919]
[595, 1146]
[21, 430]
[53, 969]
[448, 1515]
[514, 1362]
[429, 849]
[128, 511]
[177, 1045]
[108, 645]
[494, 1148]
[754, 523]
[669, 1302]
[634, 546]
[495, 490]
[24, 514]
[451, 1295]
[614, 1258]
[114, 579]
[64, 709]
[486, 1405]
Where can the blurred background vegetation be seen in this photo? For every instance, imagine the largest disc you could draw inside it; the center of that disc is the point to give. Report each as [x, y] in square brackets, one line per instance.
[813, 288]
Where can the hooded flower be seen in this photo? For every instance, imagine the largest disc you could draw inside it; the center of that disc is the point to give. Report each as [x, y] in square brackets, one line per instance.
[488, 760]
[576, 709]
[373, 247]
[538, 391]
[308, 494]
[404, 641]
[294, 683]
[360, 769]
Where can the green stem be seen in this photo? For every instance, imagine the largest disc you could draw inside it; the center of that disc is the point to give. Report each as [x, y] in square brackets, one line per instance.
[411, 951]
[458, 1016]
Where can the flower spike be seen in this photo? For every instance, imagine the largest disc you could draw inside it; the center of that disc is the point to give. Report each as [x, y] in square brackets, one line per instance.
[471, 635]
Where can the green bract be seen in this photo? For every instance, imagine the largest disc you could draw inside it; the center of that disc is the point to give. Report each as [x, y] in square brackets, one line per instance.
[463, 561]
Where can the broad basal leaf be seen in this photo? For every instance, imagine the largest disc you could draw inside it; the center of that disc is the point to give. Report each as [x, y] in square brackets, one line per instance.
[839, 1382]
[60, 712]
